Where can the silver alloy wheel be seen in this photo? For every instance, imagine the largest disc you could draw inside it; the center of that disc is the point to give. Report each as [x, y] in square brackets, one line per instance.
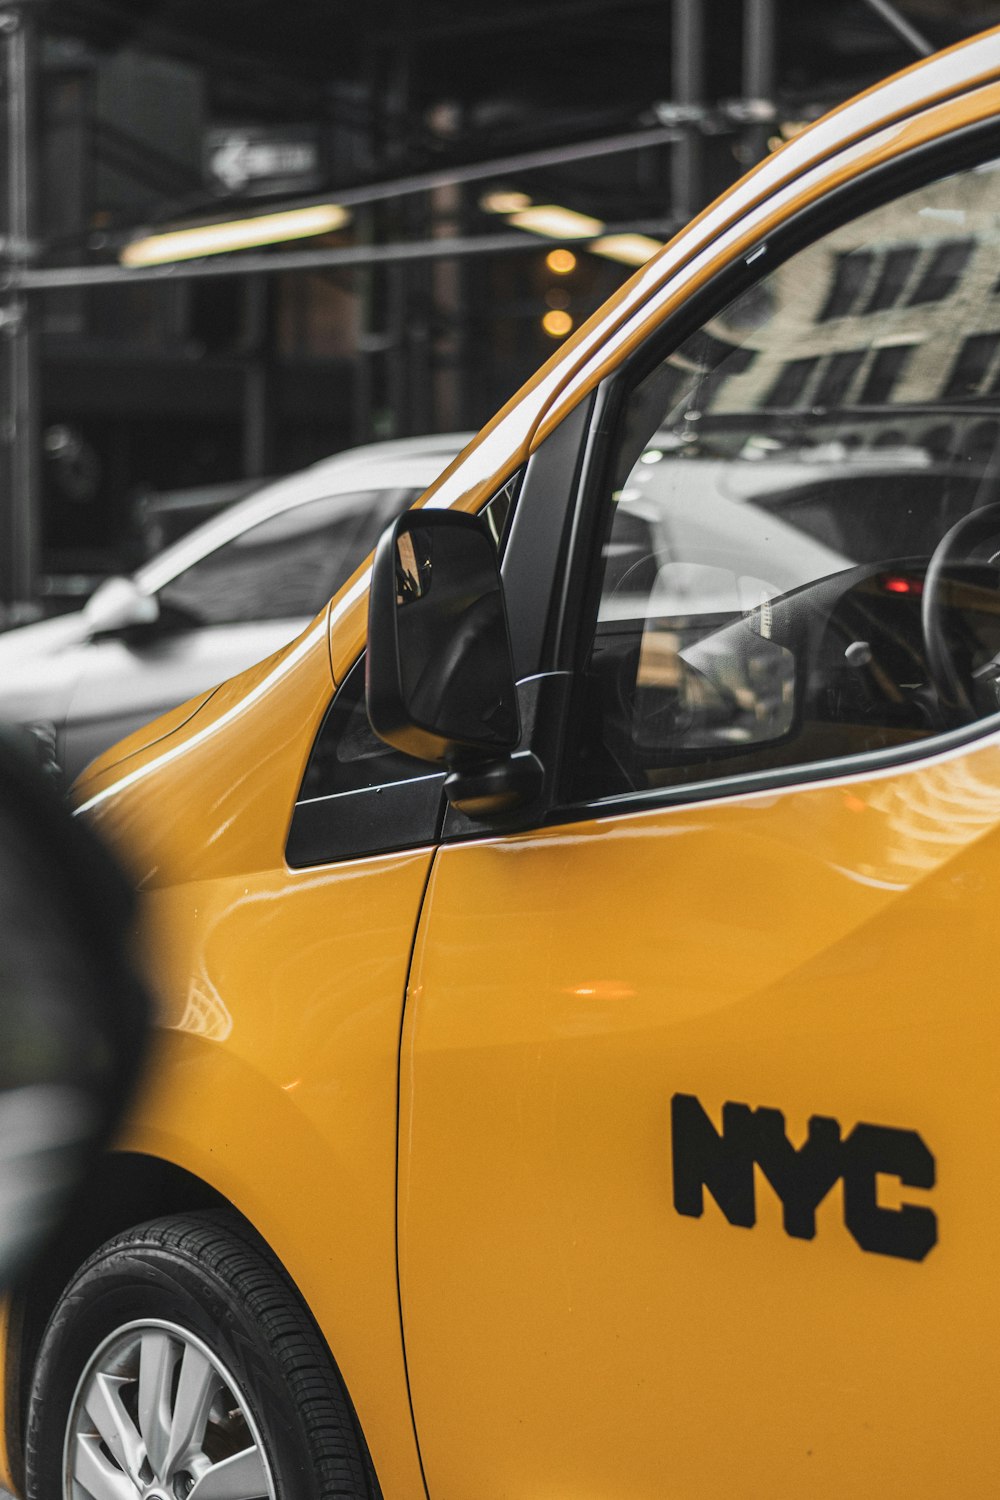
[157, 1415]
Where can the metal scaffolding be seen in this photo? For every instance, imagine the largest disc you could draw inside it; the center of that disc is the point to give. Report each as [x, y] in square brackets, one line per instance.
[19, 425]
[684, 121]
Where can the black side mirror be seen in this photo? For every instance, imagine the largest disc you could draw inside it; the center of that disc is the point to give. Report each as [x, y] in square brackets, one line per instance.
[439, 673]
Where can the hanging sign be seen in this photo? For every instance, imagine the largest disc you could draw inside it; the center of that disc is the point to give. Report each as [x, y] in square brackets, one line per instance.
[257, 161]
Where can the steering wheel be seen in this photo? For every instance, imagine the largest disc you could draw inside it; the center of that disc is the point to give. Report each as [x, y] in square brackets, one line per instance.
[955, 546]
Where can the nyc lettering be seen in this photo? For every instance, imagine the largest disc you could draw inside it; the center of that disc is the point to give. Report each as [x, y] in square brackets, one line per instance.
[724, 1165]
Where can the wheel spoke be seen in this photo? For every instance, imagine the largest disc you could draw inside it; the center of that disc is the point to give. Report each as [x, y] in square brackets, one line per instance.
[104, 1408]
[158, 1411]
[196, 1386]
[157, 1358]
[242, 1477]
[95, 1473]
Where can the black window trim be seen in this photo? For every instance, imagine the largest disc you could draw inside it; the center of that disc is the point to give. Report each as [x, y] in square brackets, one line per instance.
[360, 823]
[962, 148]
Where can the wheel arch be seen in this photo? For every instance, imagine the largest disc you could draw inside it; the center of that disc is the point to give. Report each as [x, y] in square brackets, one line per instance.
[127, 1188]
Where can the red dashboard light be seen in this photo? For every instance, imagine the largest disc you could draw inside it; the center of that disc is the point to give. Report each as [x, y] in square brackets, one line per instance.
[894, 583]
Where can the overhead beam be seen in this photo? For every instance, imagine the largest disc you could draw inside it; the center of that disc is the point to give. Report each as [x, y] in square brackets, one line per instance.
[509, 18]
[482, 171]
[327, 258]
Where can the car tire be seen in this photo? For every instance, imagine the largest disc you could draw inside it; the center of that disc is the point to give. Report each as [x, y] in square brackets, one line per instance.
[180, 1348]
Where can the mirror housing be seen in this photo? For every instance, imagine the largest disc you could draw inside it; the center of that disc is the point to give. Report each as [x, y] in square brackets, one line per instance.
[439, 673]
[119, 604]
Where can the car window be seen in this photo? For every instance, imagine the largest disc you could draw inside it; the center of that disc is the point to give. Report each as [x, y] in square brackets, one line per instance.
[286, 566]
[499, 512]
[800, 556]
[348, 755]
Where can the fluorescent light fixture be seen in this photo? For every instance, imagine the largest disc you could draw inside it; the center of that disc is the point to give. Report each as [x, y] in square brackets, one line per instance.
[555, 222]
[500, 201]
[238, 234]
[631, 249]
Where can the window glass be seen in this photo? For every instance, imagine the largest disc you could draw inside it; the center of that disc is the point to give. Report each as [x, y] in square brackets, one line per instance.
[287, 566]
[499, 512]
[897, 267]
[348, 755]
[779, 487]
[945, 266]
[851, 275]
[793, 383]
[976, 357]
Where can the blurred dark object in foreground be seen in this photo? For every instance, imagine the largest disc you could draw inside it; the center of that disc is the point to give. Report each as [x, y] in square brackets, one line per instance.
[74, 1014]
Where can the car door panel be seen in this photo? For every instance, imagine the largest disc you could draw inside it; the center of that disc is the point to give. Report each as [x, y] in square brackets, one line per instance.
[696, 1185]
[568, 1331]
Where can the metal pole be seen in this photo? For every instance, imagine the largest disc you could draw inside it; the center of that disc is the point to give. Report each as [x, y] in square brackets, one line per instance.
[20, 478]
[897, 23]
[687, 45]
[258, 377]
[363, 391]
[759, 66]
[396, 415]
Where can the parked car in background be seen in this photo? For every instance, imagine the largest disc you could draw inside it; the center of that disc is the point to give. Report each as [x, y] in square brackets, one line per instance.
[224, 596]
[157, 519]
[160, 518]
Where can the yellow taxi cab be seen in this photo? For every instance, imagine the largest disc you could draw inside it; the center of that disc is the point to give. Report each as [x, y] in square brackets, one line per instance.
[586, 1085]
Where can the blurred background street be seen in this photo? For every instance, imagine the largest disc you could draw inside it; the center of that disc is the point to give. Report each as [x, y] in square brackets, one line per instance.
[428, 198]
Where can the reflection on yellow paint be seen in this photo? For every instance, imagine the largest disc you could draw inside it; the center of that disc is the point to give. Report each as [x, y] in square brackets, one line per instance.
[929, 817]
[206, 1013]
[602, 989]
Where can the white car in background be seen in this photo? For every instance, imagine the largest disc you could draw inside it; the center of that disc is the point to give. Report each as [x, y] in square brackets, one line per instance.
[223, 597]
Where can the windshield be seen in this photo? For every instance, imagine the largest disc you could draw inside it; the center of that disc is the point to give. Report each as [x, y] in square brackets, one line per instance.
[286, 566]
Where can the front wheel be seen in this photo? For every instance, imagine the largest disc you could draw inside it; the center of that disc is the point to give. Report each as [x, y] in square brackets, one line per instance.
[180, 1365]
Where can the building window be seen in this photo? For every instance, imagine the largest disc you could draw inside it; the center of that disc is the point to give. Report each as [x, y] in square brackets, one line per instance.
[720, 361]
[972, 365]
[836, 378]
[897, 268]
[792, 383]
[885, 370]
[851, 276]
[943, 272]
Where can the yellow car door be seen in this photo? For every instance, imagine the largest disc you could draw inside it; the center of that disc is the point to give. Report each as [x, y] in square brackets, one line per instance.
[697, 1167]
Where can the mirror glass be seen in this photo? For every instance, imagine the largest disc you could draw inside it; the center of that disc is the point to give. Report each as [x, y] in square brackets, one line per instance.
[454, 654]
